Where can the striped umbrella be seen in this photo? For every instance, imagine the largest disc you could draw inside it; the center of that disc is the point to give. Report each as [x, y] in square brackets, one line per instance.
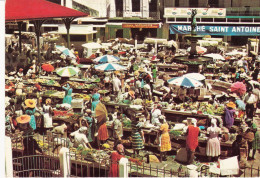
[185, 82]
[110, 67]
[65, 51]
[196, 76]
[67, 71]
[106, 59]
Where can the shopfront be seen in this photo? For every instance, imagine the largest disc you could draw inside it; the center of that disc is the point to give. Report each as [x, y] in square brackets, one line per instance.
[137, 31]
[237, 34]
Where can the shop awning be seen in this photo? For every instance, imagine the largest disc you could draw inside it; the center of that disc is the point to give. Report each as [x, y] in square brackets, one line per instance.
[18, 10]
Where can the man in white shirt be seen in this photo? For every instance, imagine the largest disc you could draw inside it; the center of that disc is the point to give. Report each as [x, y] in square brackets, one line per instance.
[250, 100]
[117, 129]
[80, 138]
[116, 85]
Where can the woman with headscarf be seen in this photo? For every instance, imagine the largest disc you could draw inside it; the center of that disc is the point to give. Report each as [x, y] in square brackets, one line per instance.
[115, 158]
[137, 133]
[192, 140]
[68, 92]
[213, 144]
[30, 110]
[95, 99]
[165, 142]
[229, 115]
[47, 116]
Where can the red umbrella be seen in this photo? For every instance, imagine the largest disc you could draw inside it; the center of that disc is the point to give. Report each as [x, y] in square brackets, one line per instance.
[121, 52]
[238, 88]
[48, 67]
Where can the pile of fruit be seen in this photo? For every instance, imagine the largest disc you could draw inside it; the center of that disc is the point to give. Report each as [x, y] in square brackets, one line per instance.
[83, 96]
[78, 85]
[211, 109]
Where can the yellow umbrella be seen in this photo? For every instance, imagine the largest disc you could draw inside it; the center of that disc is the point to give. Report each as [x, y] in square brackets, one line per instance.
[101, 112]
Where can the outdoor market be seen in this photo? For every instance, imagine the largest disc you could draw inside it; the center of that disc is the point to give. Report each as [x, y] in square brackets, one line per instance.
[190, 110]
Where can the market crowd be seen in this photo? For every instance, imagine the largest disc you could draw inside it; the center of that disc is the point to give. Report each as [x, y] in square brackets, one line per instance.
[146, 90]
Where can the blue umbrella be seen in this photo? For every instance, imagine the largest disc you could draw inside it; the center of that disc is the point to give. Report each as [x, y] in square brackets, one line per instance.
[65, 51]
[109, 67]
[185, 82]
[241, 105]
[106, 59]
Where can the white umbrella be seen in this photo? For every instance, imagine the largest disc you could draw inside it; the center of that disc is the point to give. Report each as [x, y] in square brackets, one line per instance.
[92, 45]
[65, 51]
[185, 82]
[106, 59]
[110, 67]
[196, 76]
[215, 56]
[67, 71]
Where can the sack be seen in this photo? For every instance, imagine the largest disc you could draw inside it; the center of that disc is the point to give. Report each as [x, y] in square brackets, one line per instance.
[181, 155]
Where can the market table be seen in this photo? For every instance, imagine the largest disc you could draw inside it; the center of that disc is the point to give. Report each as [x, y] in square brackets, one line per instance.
[171, 115]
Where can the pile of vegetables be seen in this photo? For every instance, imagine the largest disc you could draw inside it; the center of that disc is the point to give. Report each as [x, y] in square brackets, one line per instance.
[62, 113]
[175, 133]
[103, 91]
[127, 123]
[78, 85]
[43, 145]
[211, 109]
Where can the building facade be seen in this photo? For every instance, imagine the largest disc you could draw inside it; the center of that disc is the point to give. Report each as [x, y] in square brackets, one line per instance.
[233, 20]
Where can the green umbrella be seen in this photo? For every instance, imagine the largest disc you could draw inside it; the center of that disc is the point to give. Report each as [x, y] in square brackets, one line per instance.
[67, 71]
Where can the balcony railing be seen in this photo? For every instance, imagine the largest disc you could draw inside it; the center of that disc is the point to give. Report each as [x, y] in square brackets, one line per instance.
[152, 14]
[243, 11]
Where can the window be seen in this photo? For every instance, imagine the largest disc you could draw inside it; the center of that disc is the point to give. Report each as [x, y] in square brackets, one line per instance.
[177, 3]
[213, 3]
[136, 6]
[55, 1]
[194, 3]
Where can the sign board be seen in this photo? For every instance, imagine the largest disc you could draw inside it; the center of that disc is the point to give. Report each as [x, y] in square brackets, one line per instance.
[217, 30]
[140, 25]
[201, 12]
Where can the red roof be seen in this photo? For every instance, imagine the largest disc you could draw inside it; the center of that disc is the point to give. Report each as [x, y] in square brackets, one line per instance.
[16, 10]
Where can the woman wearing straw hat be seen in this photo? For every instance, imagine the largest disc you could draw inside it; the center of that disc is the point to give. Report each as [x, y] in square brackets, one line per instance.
[229, 114]
[30, 110]
[47, 116]
[30, 145]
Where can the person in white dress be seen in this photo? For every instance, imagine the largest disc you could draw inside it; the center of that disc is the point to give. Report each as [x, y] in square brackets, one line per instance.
[213, 144]
[47, 116]
[116, 85]
[156, 113]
